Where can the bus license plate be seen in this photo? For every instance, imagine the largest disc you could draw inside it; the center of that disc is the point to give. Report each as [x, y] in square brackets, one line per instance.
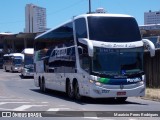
[121, 93]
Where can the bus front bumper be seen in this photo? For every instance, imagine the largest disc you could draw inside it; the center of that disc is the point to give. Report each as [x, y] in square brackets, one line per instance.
[109, 91]
[28, 74]
[17, 69]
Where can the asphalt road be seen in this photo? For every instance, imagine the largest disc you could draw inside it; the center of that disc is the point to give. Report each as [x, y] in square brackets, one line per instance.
[21, 95]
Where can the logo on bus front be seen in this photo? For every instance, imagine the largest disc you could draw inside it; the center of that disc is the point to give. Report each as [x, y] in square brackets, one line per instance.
[133, 80]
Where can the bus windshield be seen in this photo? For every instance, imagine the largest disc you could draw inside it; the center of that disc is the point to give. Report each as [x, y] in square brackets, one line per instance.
[28, 60]
[17, 61]
[117, 61]
[113, 29]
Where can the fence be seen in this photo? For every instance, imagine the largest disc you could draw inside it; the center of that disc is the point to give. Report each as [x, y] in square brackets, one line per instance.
[152, 69]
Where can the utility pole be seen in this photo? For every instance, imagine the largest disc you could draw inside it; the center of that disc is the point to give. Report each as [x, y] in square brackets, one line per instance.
[89, 6]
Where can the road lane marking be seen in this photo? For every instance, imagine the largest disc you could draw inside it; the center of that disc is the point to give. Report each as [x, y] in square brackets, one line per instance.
[11, 99]
[53, 109]
[4, 109]
[44, 102]
[24, 107]
[2, 103]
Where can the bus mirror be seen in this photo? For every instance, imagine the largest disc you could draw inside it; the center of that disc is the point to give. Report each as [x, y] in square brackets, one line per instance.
[80, 50]
[149, 46]
[89, 44]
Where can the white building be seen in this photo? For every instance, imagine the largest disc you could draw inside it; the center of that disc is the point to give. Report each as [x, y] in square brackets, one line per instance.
[152, 17]
[35, 19]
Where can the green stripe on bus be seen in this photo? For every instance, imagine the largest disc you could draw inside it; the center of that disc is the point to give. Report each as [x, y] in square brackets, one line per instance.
[104, 80]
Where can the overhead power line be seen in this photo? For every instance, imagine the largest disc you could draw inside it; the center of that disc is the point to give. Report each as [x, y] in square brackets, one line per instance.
[67, 7]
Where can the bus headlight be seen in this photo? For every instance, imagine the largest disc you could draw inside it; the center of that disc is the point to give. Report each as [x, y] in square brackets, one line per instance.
[95, 82]
[141, 83]
[91, 81]
[98, 84]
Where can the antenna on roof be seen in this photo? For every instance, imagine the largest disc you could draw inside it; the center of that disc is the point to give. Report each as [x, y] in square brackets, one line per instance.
[89, 6]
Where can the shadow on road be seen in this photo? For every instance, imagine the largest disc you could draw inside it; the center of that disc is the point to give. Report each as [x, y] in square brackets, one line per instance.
[85, 100]
[26, 77]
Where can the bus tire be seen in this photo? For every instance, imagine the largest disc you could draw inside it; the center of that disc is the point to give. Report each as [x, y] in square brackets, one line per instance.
[6, 69]
[69, 89]
[76, 92]
[22, 76]
[42, 85]
[12, 70]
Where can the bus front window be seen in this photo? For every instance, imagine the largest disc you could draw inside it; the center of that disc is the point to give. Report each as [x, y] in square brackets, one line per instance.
[17, 61]
[115, 62]
[85, 62]
[28, 60]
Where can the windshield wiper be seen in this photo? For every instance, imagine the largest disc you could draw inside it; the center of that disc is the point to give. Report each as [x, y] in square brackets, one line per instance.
[103, 74]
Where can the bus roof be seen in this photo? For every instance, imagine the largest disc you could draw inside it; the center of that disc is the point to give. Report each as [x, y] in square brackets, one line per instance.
[28, 51]
[14, 54]
[6, 55]
[85, 16]
[103, 15]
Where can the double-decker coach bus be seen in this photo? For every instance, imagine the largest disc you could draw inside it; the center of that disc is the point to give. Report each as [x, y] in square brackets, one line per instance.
[97, 55]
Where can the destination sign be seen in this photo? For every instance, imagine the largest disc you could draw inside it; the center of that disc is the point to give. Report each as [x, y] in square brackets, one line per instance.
[106, 50]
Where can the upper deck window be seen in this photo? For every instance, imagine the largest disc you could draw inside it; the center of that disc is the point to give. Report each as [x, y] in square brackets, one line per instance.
[113, 29]
[81, 30]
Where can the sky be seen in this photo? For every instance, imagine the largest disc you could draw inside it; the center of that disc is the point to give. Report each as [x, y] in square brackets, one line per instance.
[12, 12]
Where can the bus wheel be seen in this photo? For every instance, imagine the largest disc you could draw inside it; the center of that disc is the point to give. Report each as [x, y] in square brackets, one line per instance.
[22, 76]
[69, 90]
[42, 86]
[76, 92]
[6, 69]
[12, 70]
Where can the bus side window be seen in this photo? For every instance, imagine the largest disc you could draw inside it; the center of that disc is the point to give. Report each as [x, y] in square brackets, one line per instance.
[81, 30]
[84, 62]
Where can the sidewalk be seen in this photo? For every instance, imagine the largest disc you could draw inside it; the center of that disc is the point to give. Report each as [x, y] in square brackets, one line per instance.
[152, 94]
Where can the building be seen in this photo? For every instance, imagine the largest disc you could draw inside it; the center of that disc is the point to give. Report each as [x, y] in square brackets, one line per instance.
[150, 27]
[15, 43]
[152, 17]
[35, 19]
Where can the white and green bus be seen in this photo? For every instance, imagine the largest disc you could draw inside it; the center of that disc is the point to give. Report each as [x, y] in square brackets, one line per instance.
[98, 55]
